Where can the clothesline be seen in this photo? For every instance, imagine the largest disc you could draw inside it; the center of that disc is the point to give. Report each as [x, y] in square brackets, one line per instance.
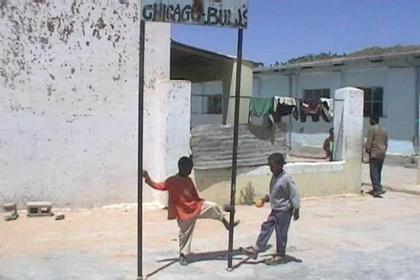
[300, 108]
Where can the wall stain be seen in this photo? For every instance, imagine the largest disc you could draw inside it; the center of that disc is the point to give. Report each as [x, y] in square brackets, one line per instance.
[33, 33]
[100, 24]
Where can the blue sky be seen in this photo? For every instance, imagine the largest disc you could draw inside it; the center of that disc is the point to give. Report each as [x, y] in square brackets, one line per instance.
[282, 29]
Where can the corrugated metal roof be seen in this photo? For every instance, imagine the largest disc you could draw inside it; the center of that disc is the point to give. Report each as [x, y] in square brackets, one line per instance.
[177, 46]
[211, 145]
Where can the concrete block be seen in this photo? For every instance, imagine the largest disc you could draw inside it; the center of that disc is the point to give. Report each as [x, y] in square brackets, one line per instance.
[39, 208]
[10, 206]
[9, 216]
[60, 216]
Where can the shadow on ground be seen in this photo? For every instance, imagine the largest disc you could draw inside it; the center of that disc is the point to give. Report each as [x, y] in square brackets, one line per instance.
[223, 255]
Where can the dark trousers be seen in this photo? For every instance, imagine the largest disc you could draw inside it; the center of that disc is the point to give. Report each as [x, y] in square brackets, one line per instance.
[279, 221]
[375, 166]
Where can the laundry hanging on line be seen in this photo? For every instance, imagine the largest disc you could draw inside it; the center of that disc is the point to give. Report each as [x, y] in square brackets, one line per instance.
[274, 108]
[327, 112]
[284, 106]
[261, 106]
[309, 108]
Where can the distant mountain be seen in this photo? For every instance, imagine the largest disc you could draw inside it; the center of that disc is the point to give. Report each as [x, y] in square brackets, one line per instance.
[364, 52]
[386, 50]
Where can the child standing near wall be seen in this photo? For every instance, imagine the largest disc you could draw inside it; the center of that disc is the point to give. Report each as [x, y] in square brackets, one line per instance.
[329, 145]
[285, 202]
[185, 205]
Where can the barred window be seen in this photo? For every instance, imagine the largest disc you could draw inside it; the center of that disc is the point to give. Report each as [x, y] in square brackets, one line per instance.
[316, 94]
[373, 101]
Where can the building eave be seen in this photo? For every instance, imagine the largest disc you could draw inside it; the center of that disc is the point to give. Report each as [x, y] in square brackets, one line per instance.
[341, 61]
[209, 54]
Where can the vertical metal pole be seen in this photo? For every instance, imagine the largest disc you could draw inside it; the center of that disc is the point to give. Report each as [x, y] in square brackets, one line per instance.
[140, 156]
[417, 122]
[235, 145]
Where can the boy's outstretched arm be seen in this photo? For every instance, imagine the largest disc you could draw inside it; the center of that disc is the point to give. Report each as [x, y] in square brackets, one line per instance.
[153, 184]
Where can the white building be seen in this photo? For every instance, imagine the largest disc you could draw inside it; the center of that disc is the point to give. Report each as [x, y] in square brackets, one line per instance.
[391, 83]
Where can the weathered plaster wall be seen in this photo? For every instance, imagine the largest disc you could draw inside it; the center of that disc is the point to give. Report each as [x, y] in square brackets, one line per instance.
[177, 123]
[313, 179]
[68, 100]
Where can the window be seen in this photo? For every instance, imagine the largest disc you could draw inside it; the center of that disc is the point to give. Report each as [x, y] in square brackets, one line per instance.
[316, 94]
[214, 104]
[207, 104]
[373, 101]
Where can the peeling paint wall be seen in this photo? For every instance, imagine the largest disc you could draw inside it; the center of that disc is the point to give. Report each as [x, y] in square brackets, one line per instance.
[68, 99]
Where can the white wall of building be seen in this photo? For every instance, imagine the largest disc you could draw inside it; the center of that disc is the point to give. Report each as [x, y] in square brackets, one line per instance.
[68, 102]
[398, 107]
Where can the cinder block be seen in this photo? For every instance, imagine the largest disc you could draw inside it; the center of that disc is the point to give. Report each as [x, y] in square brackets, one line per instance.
[39, 208]
[60, 216]
[10, 206]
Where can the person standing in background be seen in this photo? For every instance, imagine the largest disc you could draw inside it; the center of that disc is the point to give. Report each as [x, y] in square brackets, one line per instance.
[376, 146]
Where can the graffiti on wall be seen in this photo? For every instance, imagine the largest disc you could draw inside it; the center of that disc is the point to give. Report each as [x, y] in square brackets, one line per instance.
[222, 13]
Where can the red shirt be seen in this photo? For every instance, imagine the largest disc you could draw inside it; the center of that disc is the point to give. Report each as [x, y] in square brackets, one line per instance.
[183, 202]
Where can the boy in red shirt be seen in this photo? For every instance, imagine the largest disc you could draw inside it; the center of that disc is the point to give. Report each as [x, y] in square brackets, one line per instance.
[185, 205]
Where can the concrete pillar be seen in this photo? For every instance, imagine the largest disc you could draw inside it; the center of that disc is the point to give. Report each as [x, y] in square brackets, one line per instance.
[246, 91]
[178, 117]
[156, 91]
[166, 133]
[348, 130]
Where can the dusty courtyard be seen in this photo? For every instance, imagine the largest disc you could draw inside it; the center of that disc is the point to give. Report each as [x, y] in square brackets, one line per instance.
[347, 237]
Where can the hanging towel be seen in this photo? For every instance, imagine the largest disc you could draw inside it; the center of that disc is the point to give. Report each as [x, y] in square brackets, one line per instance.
[283, 106]
[260, 106]
[290, 101]
[310, 108]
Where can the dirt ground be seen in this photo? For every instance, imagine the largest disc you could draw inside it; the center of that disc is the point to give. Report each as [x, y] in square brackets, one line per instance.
[346, 237]
[392, 175]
